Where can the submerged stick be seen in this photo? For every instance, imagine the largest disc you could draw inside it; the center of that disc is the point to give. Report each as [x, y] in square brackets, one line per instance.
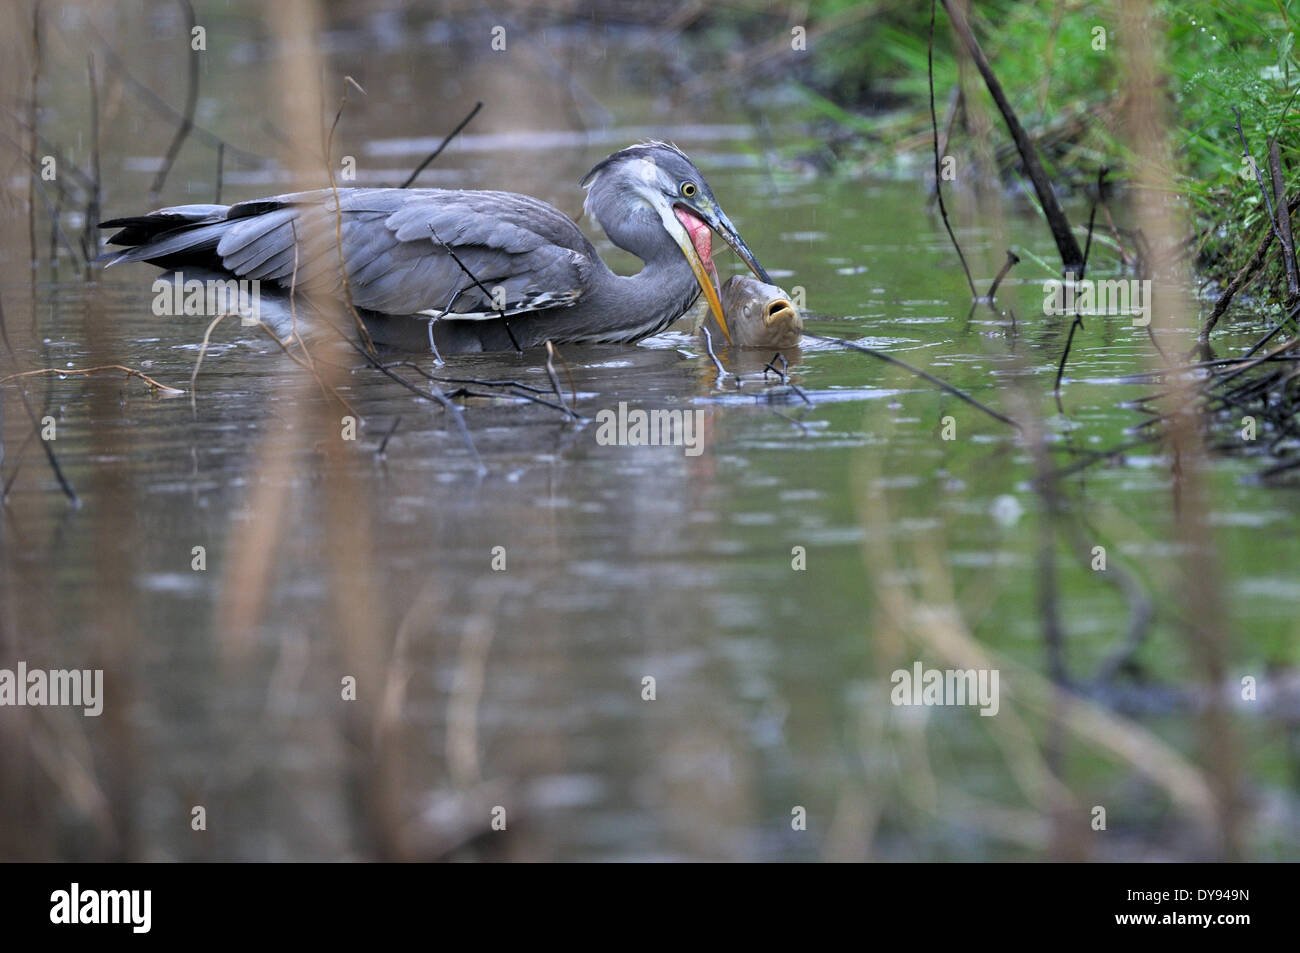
[784, 377]
[1012, 260]
[555, 381]
[198, 361]
[382, 449]
[1077, 323]
[434, 393]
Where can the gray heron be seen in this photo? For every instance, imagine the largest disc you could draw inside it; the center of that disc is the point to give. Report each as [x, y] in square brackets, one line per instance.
[409, 254]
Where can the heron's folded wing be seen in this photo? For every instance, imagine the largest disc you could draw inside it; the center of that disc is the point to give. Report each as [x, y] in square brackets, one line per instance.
[397, 249]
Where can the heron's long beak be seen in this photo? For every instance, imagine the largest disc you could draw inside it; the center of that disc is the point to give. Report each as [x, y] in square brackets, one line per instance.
[687, 229]
[719, 222]
[680, 219]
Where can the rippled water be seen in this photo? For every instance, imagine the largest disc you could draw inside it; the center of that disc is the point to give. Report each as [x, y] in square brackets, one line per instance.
[524, 687]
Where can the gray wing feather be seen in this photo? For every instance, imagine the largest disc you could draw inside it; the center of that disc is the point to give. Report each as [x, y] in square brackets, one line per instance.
[531, 250]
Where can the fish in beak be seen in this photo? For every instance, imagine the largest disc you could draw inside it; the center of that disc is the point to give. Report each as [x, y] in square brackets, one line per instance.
[695, 239]
[760, 315]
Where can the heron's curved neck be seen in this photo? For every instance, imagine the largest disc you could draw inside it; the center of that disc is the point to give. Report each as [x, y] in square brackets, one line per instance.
[663, 290]
[635, 306]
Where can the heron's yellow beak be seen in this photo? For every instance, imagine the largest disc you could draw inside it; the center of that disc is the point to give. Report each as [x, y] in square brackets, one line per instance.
[693, 240]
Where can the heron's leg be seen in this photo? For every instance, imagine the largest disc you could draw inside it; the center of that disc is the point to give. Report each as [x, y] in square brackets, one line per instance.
[433, 347]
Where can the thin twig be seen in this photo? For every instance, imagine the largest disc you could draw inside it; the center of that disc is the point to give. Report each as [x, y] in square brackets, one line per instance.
[938, 187]
[57, 223]
[308, 365]
[442, 145]
[1283, 223]
[1092, 216]
[949, 120]
[784, 377]
[1077, 323]
[924, 375]
[89, 238]
[573, 387]
[466, 380]
[68, 491]
[33, 114]
[165, 109]
[191, 101]
[1242, 277]
[1071, 256]
[555, 381]
[434, 394]
[362, 330]
[521, 395]
[501, 313]
[1259, 176]
[383, 444]
[198, 362]
[1012, 260]
[85, 371]
[221, 160]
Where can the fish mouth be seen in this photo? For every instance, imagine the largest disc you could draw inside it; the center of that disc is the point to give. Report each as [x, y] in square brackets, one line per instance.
[779, 311]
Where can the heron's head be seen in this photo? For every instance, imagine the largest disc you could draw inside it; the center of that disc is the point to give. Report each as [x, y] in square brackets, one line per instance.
[654, 185]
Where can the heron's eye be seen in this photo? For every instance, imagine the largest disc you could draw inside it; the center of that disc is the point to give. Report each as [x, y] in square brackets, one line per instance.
[688, 189]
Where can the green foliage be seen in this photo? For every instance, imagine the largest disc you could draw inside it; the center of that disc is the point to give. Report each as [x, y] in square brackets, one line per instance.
[1219, 54]
[1226, 55]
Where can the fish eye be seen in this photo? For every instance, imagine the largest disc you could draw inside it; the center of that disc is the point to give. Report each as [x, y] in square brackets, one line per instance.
[688, 189]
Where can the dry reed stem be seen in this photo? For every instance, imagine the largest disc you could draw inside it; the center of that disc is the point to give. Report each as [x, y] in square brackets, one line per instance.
[164, 389]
